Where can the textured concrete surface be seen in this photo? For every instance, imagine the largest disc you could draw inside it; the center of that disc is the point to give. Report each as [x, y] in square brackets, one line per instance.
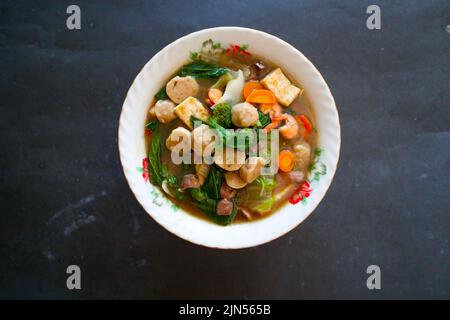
[64, 199]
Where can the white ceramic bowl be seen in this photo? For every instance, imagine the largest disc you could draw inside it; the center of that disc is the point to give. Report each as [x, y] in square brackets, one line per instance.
[132, 144]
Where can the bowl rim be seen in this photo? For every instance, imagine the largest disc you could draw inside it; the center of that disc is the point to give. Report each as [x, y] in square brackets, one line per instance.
[270, 237]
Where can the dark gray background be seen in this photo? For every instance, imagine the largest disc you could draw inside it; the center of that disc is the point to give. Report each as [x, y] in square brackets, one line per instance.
[64, 199]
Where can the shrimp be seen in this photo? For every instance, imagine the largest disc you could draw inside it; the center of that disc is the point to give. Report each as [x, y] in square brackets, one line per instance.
[274, 124]
[276, 116]
[291, 128]
[271, 109]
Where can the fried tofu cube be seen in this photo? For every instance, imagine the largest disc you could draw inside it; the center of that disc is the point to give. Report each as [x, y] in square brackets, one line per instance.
[191, 107]
[282, 88]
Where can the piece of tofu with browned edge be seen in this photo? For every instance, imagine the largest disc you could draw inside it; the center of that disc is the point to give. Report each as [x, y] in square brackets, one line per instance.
[282, 88]
[191, 107]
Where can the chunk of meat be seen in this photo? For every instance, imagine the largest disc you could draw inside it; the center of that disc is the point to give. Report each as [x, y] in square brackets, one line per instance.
[244, 115]
[224, 207]
[164, 111]
[179, 88]
[256, 71]
[226, 192]
[190, 181]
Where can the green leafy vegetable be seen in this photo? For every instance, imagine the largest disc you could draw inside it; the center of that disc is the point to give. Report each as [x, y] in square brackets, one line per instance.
[263, 121]
[161, 94]
[171, 187]
[154, 158]
[201, 69]
[152, 125]
[239, 139]
[216, 45]
[222, 115]
[265, 206]
[164, 170]
[209, 208]
[193, 55]
[267, 184]
[213, 183]
[172, 181]
[207, 197]
[198, 194]
[318, 152]
[244, 47]
[259, 196]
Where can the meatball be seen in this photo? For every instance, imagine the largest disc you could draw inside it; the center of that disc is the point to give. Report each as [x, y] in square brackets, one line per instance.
[164, 111]
[244, 115]
[151, 112]
[202, 137]
[179, 88]
[302, 151]
[179, 135]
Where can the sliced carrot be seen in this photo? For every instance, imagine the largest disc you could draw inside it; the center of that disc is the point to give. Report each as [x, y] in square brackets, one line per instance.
[306, 123]
[250, 86]
[286, 160]
[214, 95]
[261, 96]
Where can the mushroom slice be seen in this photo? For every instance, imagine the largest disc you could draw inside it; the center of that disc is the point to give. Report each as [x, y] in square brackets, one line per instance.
[229, 159]
[252, 169]
[234, 180]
